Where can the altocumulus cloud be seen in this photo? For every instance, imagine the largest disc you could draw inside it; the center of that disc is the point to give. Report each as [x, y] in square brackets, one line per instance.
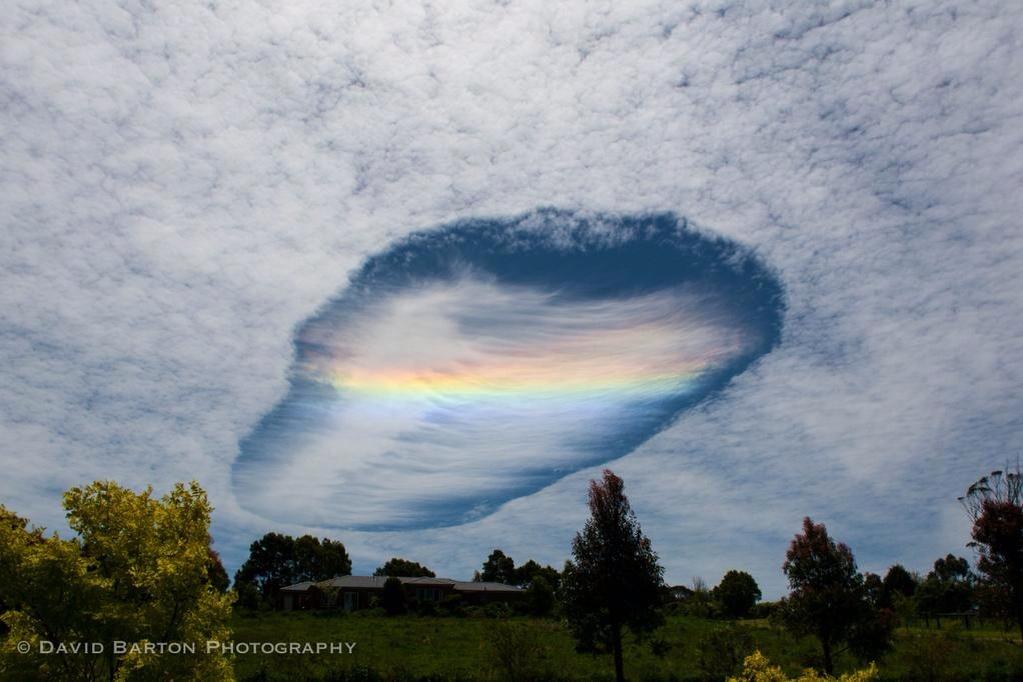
[185, 186]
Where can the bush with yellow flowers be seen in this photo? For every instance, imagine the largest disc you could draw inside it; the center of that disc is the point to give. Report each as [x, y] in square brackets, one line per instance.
[756, 668]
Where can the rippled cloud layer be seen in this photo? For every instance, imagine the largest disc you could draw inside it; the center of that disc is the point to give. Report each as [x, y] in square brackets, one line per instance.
[482, 361]
[184, 184]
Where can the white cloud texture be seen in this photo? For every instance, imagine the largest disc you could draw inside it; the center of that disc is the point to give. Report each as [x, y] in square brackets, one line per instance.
[182, 184]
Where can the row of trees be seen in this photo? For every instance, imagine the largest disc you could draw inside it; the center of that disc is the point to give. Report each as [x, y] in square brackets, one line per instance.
[141, 569]
[614, 581]
[277, 560]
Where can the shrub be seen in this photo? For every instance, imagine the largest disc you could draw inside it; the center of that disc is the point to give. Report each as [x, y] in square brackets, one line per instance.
[756, 668]
[453, 605]
[539, 599]
[721, 652]
[765, 609]
[426, 608]
[497, 609]
[519, 653]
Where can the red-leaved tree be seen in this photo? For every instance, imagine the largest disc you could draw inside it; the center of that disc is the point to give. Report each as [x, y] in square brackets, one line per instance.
[829, 600]
[995, 505]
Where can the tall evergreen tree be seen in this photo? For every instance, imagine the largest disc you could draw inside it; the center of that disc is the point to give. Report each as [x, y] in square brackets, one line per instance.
[614, 580]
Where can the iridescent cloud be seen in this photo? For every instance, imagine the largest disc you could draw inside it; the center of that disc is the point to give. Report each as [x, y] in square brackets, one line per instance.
[482, 361]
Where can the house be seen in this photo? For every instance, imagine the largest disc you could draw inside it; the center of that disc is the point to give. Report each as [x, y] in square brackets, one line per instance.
[352, 592]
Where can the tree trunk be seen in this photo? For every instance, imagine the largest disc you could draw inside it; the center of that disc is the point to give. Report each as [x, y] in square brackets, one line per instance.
[616, 644]
[829, 666]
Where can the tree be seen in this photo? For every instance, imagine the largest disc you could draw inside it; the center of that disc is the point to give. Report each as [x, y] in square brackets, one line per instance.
[136, 572]
[699, 600]
[498, 568]
[392, 599]
[270, 566]
[828, 599]
[540, 597]
[320, 559]
[615, 580]
[531, 570]
[995, 505]
[216, 573]
[897, 582]
[277, 560]
[873, 586]
[948, 588]
[737, 592]
[403, 568]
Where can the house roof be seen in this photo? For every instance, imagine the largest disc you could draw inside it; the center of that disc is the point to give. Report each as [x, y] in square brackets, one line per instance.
[376, 582]
[486, 587]
[298, 587]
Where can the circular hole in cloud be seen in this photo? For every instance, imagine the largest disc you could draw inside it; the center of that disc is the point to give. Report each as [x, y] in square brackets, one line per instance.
[484, 360]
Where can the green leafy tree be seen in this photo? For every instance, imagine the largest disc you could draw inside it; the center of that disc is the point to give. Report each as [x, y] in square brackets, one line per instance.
[531, 570]
[897, 582]
[277, 560]
[614, 580]
[948, 588]
[498, 568]
[392, 599]
[828, 599]
[317, 559]
[398, 567]
[270, 566]
[737, 593]
[137, 572]
[874, 588]
[540, 597]
[995, 505]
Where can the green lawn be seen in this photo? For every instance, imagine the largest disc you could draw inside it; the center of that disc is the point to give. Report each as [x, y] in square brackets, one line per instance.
[451, 648]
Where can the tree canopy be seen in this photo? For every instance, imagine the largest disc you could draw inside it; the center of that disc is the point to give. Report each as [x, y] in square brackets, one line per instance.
[398, 567]
[137, 571]
[277, 560]
[897, 582]
[498, 568]
[948, 588]
[501, 568]
[737, 592]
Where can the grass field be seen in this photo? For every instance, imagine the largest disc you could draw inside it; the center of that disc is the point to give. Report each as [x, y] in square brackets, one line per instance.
[450, 648]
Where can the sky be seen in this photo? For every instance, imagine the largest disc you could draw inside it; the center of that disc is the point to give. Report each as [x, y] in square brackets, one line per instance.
[193, 197]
